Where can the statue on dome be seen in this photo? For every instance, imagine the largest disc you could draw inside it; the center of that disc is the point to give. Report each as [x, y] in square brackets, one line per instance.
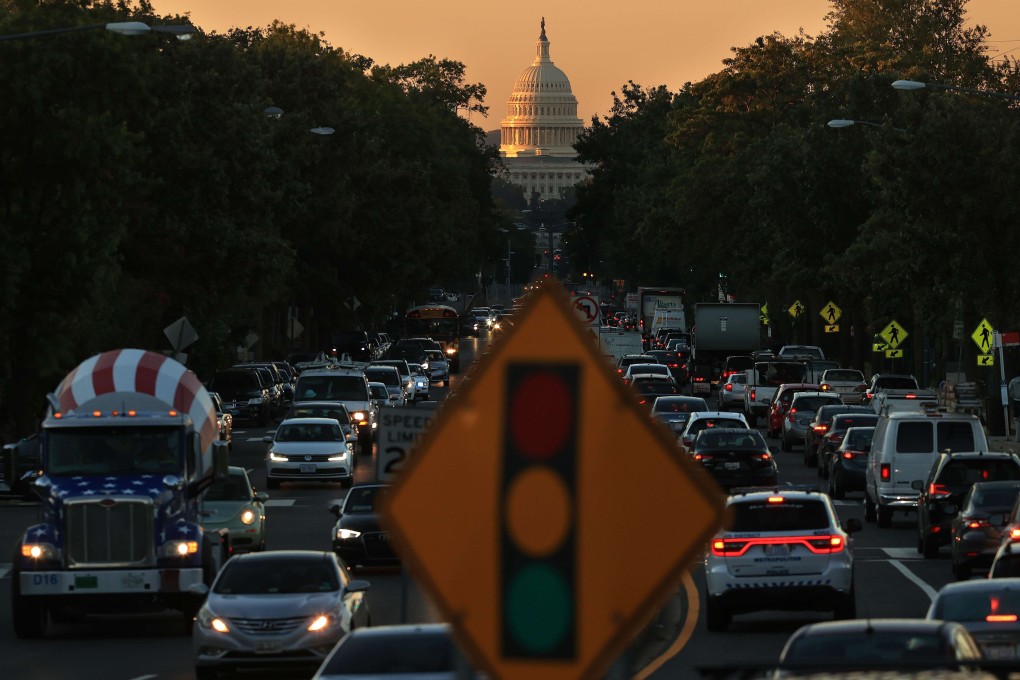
[542, 37]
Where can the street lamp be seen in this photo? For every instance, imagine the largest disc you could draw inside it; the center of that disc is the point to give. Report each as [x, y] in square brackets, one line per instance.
[509, 297]
[917, 85]
[179, 31]
[845, 122]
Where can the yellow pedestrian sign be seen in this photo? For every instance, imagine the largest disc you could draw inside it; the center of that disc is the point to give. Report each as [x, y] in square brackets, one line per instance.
[796, 309]
[834, 328]
[894, 354]
[831, 314]
[878, 347]
[986, 360]
[894, 334]
[763, 315]
[982, 337]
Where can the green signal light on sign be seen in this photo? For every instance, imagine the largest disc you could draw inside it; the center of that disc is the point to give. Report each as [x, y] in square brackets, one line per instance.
[539, 608]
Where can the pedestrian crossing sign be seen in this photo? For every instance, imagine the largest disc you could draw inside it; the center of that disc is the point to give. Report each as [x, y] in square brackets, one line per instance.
[894, 334]
[986, 360]
[983, 338]
[796, 309]
[831, 314]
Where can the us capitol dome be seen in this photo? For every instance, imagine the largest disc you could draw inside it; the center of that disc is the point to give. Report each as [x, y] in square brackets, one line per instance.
[540, 127]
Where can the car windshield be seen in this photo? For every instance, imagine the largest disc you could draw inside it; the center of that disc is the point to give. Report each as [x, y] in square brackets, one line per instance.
[234, 488]
[309, 432]
[338, 414]
[790, 515]
[379, 391]
[333, 387]
[969, 605]
[395, 655]
[278, 576]
[434, 355]
[362, 500]
[886, 646]
[114, 450]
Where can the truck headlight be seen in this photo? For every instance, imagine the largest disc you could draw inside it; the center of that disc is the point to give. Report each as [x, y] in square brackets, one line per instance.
[178, 548]
[40, 551]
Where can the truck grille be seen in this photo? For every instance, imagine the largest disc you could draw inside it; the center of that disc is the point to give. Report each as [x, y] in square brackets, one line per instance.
[113, 531]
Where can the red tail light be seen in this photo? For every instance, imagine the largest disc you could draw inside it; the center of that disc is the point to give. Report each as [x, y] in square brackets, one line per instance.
[1014, 534]
[698, 379]
[821, 545]
[938, 490]
[729, 387]
[886, 472]
[752, 395]
[820, 428]
[975, 522]
[1001, 618]
[848, 455]
[910, 396]
[766, 456]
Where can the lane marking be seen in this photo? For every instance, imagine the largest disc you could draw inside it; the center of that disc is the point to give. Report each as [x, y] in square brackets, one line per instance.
[279, 502]
[145, 677]
[918, 581]
[5, 570]
[693, 612]
[253, 439]
[903, 553]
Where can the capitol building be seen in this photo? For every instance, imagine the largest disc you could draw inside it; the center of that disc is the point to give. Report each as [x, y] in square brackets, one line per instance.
[540, 127]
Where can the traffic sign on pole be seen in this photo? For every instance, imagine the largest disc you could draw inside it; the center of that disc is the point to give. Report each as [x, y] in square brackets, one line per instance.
[527, 452]
[983, 338]
[587, 309]
[893, 334]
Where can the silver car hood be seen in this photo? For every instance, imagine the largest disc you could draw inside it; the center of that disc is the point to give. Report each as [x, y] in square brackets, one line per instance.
[272, 606]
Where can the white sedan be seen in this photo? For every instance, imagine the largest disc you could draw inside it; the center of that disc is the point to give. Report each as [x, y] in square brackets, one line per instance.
[306, 449]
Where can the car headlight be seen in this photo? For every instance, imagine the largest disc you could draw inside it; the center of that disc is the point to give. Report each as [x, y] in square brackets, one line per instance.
[337, 457]
[359, 416]
[322, 622]
[40, 551]
[209, 621]
[424, 365]
[276, 457]
[247, 517]
[178, 548]
[451, 351]
[346, 534]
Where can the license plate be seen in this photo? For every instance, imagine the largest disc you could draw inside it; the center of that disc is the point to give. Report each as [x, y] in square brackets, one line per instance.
[732, 466]
[781, 550]
[307, 468]
[999, 652]
[268, 647]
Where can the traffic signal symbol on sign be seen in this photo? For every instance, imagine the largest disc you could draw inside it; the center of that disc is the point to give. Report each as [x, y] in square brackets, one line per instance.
[539, 546]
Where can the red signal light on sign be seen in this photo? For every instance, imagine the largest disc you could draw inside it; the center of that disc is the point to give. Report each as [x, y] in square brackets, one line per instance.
[538, 558]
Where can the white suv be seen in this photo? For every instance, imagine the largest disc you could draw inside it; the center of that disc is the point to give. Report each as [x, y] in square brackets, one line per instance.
[704, 419]
[784, 549]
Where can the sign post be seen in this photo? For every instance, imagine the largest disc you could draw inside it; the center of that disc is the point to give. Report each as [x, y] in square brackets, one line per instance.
[527, 452]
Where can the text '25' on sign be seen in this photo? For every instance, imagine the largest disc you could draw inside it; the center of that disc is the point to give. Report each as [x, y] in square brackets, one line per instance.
[400, 428]
[502, 516]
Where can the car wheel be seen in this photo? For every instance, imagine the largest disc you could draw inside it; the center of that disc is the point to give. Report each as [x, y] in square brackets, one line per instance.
[883, 516]
[30, 618]
[717, 617]
[930, 545]
[836, 488]
[869, 508]
[846, 607]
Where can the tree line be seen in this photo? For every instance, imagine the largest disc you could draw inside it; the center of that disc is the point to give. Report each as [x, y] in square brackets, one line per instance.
[913, 218]
[141, 180]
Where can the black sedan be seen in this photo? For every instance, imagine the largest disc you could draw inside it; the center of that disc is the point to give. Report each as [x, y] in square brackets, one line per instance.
[358, 539]
[735, 457]
[976, 530]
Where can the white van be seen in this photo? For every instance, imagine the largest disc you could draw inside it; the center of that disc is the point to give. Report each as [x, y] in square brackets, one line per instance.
[903, 449]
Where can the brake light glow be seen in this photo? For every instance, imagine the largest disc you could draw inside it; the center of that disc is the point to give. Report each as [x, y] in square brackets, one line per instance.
[752, 395]
[938, 490]
[1001, 618]
[886, 472]
[775, 499]
[729, 387]
[698, 379]
[96, 414]
[848, 455]
[1014, 534]
[820, 428]
[976, 523]
[820, 545]
[766, 456]
[910, 396]
[826, 387]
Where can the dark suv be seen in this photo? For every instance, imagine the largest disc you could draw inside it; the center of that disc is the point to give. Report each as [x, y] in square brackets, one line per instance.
[355, 344]
[243, 393]
[951, 477]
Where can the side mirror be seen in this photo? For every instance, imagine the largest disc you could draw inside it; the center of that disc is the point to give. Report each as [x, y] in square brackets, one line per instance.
[267, 439]
[358, 586]
[852, 525]
[199, 589]
[261, 496]
[917, 485]
[334, 508]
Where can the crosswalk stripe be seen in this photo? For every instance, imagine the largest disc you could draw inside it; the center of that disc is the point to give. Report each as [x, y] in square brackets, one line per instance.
[279, 502]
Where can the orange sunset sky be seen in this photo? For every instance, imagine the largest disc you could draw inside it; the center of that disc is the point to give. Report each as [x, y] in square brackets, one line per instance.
[600, 45]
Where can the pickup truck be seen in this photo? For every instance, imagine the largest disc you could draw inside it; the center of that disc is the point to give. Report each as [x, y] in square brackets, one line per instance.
[889, 381]
[762, 382]
[895, 401]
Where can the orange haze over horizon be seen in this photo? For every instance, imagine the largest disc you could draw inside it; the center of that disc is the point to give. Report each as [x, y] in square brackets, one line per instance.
[600, 49]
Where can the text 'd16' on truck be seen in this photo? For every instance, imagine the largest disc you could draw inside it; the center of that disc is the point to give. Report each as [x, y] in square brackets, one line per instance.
[128, 445]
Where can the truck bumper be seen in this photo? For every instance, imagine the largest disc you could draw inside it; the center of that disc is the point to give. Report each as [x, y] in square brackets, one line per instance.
[109, 581]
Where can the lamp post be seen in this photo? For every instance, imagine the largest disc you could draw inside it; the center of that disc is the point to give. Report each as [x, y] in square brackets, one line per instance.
[917, 85]
[509, 253]
[179, 31]
[846, 122]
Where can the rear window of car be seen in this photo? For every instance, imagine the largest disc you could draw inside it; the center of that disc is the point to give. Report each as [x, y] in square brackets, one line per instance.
[844, 376]
[896, 383]
[995, 498]
[955, 436]
[686, 405]
[705, 423]
[333, 387]
[433, 655]
[234, 380]
[863, 420]
[885, 647]
[739, 363]
[812, 404]
[968, 472]
[976, 606]
[1006, 566]
[386, 376]
[750, 440]
[776, 374]
[790, 515]
[859, 439]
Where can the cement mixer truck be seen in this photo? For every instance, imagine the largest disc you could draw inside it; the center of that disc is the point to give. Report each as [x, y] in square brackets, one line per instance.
[128, 444]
